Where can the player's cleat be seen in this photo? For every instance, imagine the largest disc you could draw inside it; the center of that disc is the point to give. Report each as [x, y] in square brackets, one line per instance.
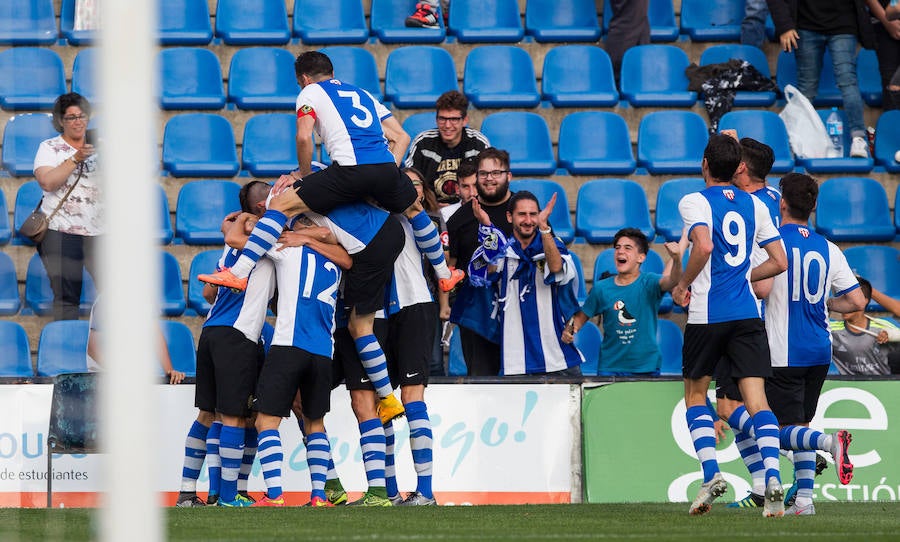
[709, 492]
[319, 502]
[239, 502]
[417, 499]
[370, 499]
[212, 500]
[189, 499]
[389, 408]
[840, 441]
[821, 463]
[774, 505]
[395, 499]
[336, 495]
[225, 278]
[752, 500]
[246, 495]
[808, 510]
[456, 276]
[424, 17]
[790, 495]
[266, 501]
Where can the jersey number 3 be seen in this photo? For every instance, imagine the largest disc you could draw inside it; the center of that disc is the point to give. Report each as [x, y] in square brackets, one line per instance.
[366, 120]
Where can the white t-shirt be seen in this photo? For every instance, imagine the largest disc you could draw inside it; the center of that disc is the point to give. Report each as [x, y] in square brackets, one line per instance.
[82, 213]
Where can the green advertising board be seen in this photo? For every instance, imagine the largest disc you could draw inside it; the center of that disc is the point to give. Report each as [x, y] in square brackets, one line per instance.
[637, 447]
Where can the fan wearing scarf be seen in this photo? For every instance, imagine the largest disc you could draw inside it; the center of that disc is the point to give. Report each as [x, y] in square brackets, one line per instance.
[533, 274]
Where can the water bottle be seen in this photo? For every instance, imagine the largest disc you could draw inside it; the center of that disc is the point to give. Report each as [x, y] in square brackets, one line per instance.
[835, 128]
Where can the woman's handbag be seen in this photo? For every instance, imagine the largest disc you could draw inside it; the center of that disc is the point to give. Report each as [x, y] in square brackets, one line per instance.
[37, 223]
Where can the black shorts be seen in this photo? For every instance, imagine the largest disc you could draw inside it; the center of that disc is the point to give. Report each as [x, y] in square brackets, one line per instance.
[287, 370]
[726, 387]
[793, 393]
[741, 345]
[336, 185]
[227, 367]
[345, 354]
[365, 282]
[410, 344]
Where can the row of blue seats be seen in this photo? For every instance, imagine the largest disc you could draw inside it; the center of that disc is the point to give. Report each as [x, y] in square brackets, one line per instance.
[494, 76]
[62, 348]
[264, 22]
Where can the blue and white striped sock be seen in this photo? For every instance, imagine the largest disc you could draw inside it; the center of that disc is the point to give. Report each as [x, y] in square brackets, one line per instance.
[703, 434]
[270, 458]
[213, 461]
[374, 362]
[231, 450]
[194, 454]
[263, 237]
[421, 442]
[746, 445]
[318, 453]
[797, 437]
[766, 431]
[429, 242]
[805, 469]
[371, 442]
[390, 471]
[250, 442]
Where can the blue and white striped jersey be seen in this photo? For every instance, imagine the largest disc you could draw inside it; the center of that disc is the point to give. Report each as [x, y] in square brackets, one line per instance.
[245, 311]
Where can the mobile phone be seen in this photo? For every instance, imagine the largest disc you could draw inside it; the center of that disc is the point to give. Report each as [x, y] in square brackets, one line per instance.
[90, 136]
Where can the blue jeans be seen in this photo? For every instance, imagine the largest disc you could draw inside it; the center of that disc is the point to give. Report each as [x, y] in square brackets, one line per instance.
[753, 26]
[843, 54]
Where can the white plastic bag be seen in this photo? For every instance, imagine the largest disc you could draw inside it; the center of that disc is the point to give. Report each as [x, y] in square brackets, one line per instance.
[805, 128]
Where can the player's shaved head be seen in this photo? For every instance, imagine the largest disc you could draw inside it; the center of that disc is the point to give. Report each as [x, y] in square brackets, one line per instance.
[251, 194]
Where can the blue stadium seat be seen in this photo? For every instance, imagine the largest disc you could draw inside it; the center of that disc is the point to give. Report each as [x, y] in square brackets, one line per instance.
[269, 148]
[83, 69]
[764, 126]
[62, 348]
[455, 360]
[844, 164]
[500, 76]
[486, 21]
[39, 295]
[15, 352]
[252, 22]
[172, 302]
[200, 209]
[880, 265]
[27, 22]
[203, 262]
[5, 230]
[164, 235]
[578, 76]
[526, 137]
[9, 287]
[668, 220]
[21, 139]
[653, 75]
[661, 14]
[582, 293]
[330, 21]
[828, 93]
[416, 75]
[604, 206]
[595, 143]
[672, 142]
[262, 78]
[30, 78]
[357, 66]
[887, 140]
[190, 78]
[588, 341]
[756, 57]
[183, 22]
[27, 198]
[543, 189]
[712, 20]
[199, 144]
[670, 339]
[854, 209]
[897, 213]
[388, 18]
[869, 77]
[419, 122]
[562, 20]
[67, 26]
[180, 342]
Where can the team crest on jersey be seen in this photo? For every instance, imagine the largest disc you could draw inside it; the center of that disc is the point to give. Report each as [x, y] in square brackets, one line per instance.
[540, 265]
[625, 317]
[729, 194]
[804, 232]
[491, 241]
[445, 238]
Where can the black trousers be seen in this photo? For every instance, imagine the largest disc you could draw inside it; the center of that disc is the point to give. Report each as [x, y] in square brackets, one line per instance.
[629, 26]
[65, 256]
[888, 53]
[481, 355]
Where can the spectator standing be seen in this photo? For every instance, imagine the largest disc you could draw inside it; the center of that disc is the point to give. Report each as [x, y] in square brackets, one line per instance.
[753, 25]
[628, 26]
[887, 39]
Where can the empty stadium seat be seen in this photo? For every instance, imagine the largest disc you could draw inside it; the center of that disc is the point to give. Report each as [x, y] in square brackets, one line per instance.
[330, 21]
[30, 78]
[578, 76]
[180, 343]
[672, 142]
[581, 292]
[653, 76]
[27, 198]
[670, 339]
[183, 22]
[897, 213]
[172, 302]
[887, 140]
[604, 206]
[717, 54]
[843, 164]
[200, 209]
[21, 139]
[595, 143]
[712, 20]
[164, 235]
[668, 220]
[5, 230]
[543, 189]
[486, 21]
[27, 22]
[15, 352]
[83, 70]
[388, 18]
[190, 78]
[854, 209]
[500, 76]
[62, 348]
[868, 77]
[199, 144]
[764, 126]
[415, 76]
[828, 93]
[39, 295]
[203, 262]
[660, 13]
[252, 22]
[588, 341]
[9, 287]
[270, 148]
[527, 139]
[262, 78]
[419, 122]
[562, 20]
[356, 66]
[67, 26]
[880, 265]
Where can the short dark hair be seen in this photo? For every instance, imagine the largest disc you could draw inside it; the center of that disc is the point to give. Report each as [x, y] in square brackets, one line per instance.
[519, 196]
[635, 235]
[467, 167]
[757, 156]
[866, 288]
[453, 99]
[499, 155]
[65, 101]
[723, 155]
[313, 64]
[250, 194]
[799, 192]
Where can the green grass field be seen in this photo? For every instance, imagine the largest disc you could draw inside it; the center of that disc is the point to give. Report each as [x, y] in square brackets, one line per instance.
[835, 521]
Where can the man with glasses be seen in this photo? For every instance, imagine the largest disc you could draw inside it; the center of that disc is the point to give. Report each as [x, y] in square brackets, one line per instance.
[438, 152]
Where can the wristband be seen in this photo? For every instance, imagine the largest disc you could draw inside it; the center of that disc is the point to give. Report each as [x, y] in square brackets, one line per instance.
[548, 231]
